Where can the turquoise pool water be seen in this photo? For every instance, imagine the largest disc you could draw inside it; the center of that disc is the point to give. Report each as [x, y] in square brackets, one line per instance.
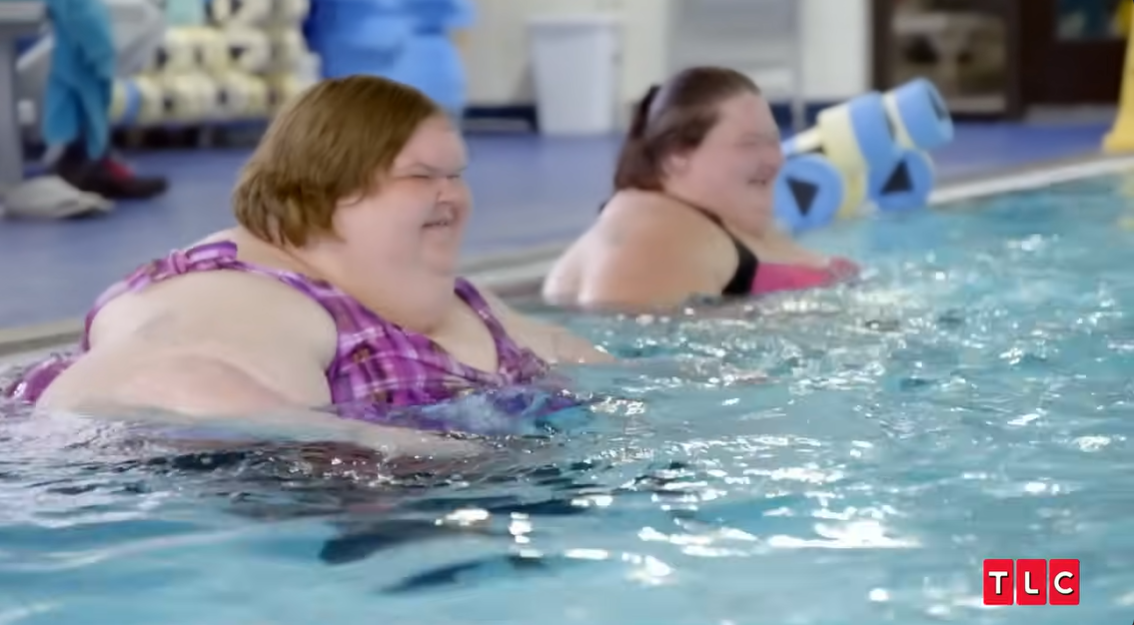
[838, 458]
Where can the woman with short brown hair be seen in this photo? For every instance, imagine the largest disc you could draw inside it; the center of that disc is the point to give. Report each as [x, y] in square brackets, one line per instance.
[338, 286]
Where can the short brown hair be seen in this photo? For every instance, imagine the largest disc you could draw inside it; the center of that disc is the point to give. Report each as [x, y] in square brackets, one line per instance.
[329, 144]
[672, 118]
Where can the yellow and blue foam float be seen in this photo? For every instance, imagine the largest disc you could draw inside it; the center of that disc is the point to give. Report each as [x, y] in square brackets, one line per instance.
[855, 135]
[808, 193]
[813, 188]
[871, 151]
[920, 122]
[854, 194]
[906, 186]
[919, 116]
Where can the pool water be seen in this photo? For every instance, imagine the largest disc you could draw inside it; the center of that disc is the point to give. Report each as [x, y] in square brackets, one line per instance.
[838, 458]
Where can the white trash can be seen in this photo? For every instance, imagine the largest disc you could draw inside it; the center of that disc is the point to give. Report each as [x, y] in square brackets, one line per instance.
[575, 59]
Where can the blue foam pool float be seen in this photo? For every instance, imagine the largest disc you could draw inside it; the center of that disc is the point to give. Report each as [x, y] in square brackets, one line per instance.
[923, 113]
[872, 129]
[431, 60]
[905, 185]
[357, 28]
[788, 147]
[807, 193]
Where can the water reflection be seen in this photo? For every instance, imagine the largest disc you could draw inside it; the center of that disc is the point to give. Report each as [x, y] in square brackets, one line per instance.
[852, 455]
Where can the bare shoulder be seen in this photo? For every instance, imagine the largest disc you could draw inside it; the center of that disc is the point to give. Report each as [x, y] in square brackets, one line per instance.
[158, 345]
[643, 213]
[215, 293]
[222, 306]
[654, 253]
[653, 227]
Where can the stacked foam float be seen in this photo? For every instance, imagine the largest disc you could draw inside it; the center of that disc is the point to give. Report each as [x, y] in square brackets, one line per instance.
[870, 153]
[244, 60]
[360, 36]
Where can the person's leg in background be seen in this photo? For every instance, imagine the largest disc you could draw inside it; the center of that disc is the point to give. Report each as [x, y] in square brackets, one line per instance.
[84, 62]
[138, 29]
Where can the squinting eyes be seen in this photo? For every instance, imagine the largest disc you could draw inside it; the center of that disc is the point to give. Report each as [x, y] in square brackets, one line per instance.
[758, 145]
[457, 176]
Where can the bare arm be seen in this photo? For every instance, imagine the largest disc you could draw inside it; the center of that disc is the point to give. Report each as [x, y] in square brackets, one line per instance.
[193, 392]
[252, 360]
[553, 343]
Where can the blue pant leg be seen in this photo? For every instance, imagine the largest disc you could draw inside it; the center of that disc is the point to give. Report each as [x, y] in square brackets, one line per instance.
[95, 95]
[62, 115]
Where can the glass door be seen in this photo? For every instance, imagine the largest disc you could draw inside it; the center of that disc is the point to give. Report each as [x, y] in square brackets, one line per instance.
[1073, 50]
[968, 48]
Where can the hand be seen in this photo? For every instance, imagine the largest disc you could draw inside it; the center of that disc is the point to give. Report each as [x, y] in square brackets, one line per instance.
[394, 442]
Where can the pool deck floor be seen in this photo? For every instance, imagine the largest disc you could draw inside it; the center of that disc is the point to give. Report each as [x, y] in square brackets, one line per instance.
[530, 192]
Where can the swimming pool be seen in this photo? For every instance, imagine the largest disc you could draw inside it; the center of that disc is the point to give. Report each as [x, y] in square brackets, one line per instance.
[972, 399]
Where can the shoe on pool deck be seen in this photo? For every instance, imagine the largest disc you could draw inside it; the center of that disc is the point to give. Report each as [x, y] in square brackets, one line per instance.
[50, 197]
[107, 177]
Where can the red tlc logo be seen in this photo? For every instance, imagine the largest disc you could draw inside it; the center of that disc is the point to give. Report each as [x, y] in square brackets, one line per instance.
[1031, 582]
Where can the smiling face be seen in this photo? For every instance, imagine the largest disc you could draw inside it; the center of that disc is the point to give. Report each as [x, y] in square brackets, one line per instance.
[360, 180]
[733, 169]
[414, 220]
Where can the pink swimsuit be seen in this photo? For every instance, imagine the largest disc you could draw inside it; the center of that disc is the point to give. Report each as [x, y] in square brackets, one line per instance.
[753, 277]
[377, 364]
[771, 278]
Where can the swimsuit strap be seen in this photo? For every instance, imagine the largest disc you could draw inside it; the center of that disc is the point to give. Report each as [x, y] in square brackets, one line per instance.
[512, 357]
[355, 324]
[746, 262]
[219, 256]
[747, 266]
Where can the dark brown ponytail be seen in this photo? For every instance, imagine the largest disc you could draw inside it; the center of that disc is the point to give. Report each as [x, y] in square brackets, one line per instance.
[641, 118]
[679, 121]
[633, 158]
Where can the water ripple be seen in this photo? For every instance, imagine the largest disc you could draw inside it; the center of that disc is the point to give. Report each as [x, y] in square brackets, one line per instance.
[832, 458]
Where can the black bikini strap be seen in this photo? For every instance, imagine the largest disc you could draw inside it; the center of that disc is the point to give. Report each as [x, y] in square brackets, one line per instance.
[746, 265]
[746, 261]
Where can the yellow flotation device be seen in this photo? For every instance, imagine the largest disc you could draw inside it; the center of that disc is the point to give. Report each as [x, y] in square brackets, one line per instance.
[1122, 18]
[1120, 139]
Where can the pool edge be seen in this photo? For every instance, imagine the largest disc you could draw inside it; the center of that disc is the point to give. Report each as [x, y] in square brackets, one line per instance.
[1034, 176]
[519, 273]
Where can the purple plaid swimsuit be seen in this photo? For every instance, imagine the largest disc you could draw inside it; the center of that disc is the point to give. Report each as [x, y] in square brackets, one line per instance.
[377, 364]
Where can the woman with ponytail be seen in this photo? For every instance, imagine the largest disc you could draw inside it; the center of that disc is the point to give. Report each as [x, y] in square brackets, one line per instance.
[692, 210]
